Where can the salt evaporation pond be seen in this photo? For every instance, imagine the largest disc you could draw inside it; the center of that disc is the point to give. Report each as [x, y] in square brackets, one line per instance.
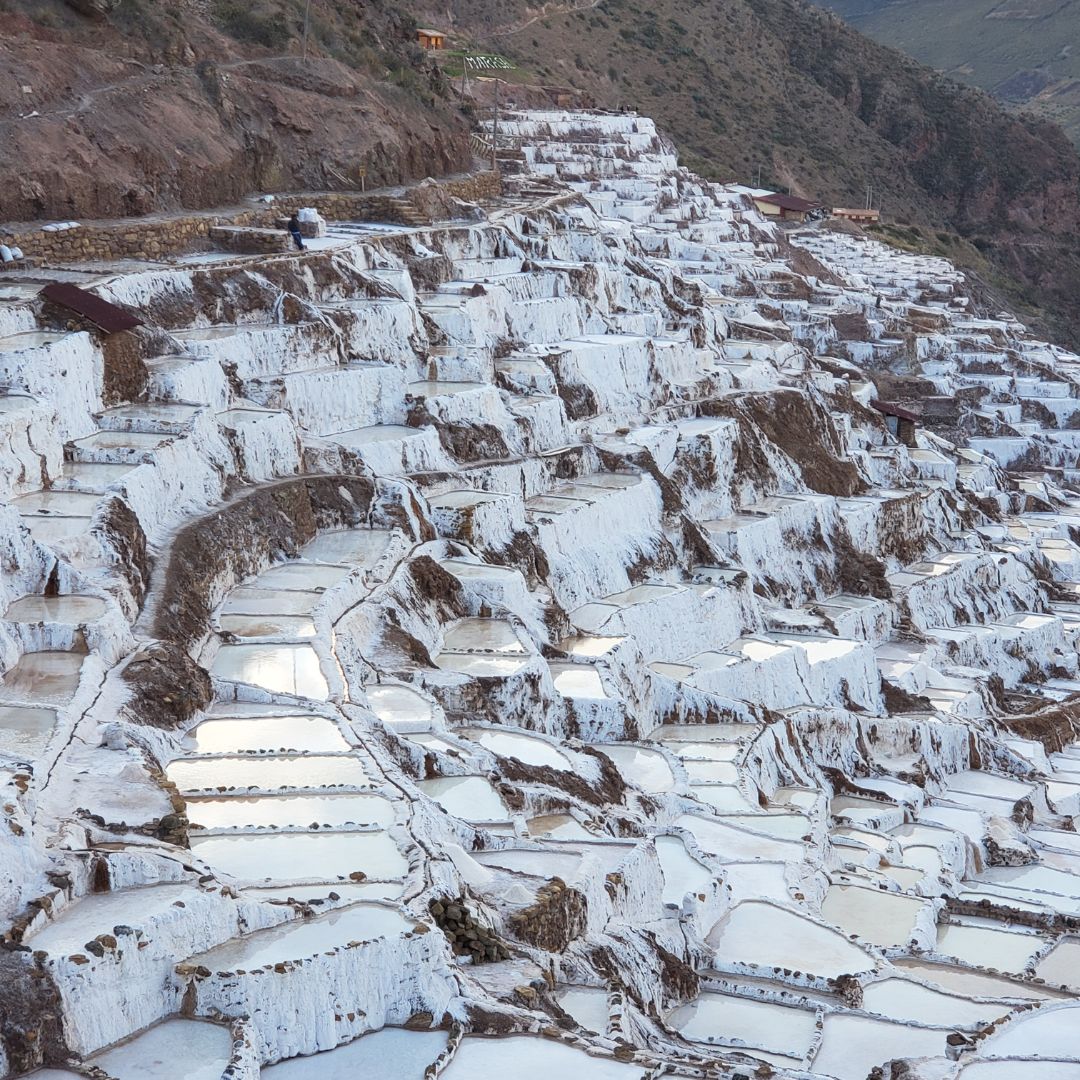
[546, 864]
[281, 669]
[682, 872]
[25, 730]
[266, 734]
[853, 1045]
[399, 707]
[737, 845]
[1061, 966]
[974, 983]
[50, 677]
[172, 1050]
[300, 771]
[299, 939]
[471, 798]
[646, 769]
[578, 680]
[98, 913]
[761, 1025]
[882, 918]
[56, 609]
[289, 857]
[391, 1052]
[985, 947]
[349, 547]
[770, 936]
[1020, 1069]
[529, 1058]
[1049, 1032]
[901, 999]
[587, 1005]
[290, 810]
[558, 827]
[526, 749]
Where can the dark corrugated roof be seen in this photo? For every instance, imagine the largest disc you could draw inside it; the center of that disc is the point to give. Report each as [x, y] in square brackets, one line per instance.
[889, 409]
[789, 202]
[100, 312]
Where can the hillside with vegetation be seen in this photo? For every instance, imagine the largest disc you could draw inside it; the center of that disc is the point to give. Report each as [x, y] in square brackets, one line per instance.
[784, 91]
[120, 107]
[1022, 51]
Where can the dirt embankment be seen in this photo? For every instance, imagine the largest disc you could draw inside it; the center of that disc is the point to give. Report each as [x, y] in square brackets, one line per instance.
[147, 110]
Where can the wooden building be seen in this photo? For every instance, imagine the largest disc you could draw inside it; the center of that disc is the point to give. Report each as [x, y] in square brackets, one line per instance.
[860, 217]
[901, 422]
[787, 207]
[431, 39]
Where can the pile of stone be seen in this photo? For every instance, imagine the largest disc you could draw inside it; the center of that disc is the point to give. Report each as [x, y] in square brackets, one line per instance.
[466, 936]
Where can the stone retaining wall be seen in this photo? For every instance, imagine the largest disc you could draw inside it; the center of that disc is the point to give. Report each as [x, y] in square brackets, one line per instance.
[159, 238]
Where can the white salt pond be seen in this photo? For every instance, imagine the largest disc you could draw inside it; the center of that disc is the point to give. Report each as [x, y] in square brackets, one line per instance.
[1049, 1032]
[735, 844]
[300, 939]
[964, 981]
[265, 734]
[546, 864]
[267, 772]
[391, 1052]
[471, 798]
[682, 872]
[276, 627]
[289, 857]
[724, 798]
[853, 1045]
[770, 936]
[25, 730]
[290, 810]
[587, 1005]
[558, 827]
[303, 576]
[349, 547]
[882, 918]
[389, 891]
[646, 769]
[1061, 966]
[399, 706]
[44, 678]
[56, 609]
[489, 635]
[577, 680]
[739, 1021]
[173, 1050]
[1020, 1069]
[98, 913]
[281, 669]
[526, 749]
[530, 1058]
[985, 947]
[480, 664]
[901, 999]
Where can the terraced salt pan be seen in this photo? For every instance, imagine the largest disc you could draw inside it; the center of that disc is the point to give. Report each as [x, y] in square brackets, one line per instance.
[1061, 966]
[738, 845]
[24, 730]
[391, 1052]
[471, 798]
[900, 999]
[853, 1045]
[770, 936]
[527, 750]
[882, 918]
[558, 827]
[734, 1021]
[578, 681]
[971, 983]
[986, 947]
[587, 1005]
[300, 939]
[267, 772]
[390, 891]
[281, 669]
[56, 609]
[399, 707]
[493, 635]
[547, 864]
[646, 769]
[98, 913]
[266, 734]
[527, 1058]
[44, 678]
[480, 665]
[289, 857]
[682, 872]
[173, 1050]
[349, 547]
[1048, 1032]
[1015, 1068]
[283, 811]
[268, 627]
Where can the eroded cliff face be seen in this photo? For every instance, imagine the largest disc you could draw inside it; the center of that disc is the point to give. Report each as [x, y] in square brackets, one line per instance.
[198, 105]
[524, 644]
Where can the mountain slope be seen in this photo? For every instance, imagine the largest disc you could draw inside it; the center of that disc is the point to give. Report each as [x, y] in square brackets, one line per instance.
[785, 87]
[147, 107]
[1022, 51]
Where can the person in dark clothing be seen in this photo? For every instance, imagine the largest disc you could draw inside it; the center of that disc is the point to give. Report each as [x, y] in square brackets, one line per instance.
[294, 230]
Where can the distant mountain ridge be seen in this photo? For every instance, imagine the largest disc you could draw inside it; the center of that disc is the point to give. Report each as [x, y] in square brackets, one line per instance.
[1025, 52]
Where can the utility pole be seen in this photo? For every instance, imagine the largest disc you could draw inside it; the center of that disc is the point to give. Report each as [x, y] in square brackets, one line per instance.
[307, 23]
[495, 127]
[869, 197]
